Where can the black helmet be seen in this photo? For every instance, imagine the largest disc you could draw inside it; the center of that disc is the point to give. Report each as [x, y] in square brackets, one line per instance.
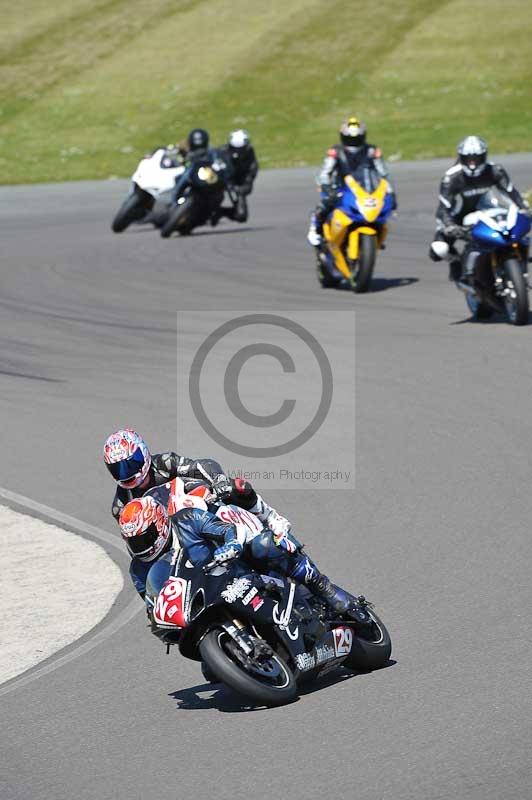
[353, 133]
[472, 154]
[198, 139]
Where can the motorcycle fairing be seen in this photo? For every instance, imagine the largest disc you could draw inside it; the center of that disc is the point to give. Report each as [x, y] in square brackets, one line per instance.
[368, 204]
[499, 227]
[358, 211]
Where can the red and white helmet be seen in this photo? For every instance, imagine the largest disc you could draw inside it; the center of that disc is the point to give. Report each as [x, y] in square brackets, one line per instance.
[127, 458]
[145, 528]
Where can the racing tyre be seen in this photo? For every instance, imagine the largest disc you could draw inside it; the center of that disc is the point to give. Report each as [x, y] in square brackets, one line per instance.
[516, 298]
[208, 674]
[371, 647]
[178, 219]
[132, 209]
[268, 682]
[365, 263]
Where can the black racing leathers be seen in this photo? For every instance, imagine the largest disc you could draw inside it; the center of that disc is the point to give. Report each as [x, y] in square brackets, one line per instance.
[167, 466]
[243, 166]
[459, 194]
[338, 163]
[242, 170]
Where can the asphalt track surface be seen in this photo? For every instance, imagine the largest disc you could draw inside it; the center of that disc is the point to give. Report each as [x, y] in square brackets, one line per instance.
[436, 533]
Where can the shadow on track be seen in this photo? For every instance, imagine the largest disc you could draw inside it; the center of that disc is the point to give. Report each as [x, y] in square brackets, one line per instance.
[147, 227]
[377, 285]
[224, 700]
[496, 319]
[29, 376]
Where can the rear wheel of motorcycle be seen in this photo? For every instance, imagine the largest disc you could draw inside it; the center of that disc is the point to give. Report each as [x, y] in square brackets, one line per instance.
[272, 684]
[132, 209]
[365, 263]
[516, 302]
[178, 218]
[371, 647]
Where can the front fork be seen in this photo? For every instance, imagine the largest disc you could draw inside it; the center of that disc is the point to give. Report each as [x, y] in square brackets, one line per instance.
[520, 252]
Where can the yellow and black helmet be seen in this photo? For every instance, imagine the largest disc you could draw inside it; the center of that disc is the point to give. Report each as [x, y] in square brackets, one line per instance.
[353, 132]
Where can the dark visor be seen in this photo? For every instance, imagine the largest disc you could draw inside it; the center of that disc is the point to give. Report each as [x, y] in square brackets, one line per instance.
[128, 468]
[354, 141]
[474, 160]
[144, 541]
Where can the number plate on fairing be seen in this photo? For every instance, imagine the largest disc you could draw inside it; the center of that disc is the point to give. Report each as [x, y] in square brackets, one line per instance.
[343, 640]
[170, 607]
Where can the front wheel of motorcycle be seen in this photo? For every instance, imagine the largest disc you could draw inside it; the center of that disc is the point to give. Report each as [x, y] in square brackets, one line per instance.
[363, 271]
[133, 208]
[178, 219]
[371, 647]
[516, 293]
[267, 682]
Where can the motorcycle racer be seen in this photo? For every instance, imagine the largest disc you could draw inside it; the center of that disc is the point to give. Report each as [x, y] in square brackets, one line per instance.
[471, 176]
[340, 161]
[243, 167]
[135, 470]
[149, 533]
[195, 149]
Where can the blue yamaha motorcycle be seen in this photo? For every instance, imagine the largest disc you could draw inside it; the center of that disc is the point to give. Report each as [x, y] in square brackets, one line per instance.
[496, 257]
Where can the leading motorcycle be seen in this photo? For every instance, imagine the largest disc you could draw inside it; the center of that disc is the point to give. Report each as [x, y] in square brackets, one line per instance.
[355, 230]
[497, 236]
[153, 181]
[260, 634]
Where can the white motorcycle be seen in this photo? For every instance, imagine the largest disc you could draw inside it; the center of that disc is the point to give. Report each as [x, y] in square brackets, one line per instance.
[152, 182]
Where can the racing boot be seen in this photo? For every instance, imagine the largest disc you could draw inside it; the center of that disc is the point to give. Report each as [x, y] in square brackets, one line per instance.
[314, 231]
[305, 571]
[455, 269]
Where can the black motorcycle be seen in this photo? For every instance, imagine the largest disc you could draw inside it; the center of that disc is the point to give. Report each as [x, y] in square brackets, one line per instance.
[261, 635]
[200, 193]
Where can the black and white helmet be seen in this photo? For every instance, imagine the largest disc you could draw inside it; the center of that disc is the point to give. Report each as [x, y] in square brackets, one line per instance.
[239, 140]
[472, 154]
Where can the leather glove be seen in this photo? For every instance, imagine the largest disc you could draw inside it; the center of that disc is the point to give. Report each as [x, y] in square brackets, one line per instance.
[277, 524]
[454, 232]
[227, 552]
[222, 487]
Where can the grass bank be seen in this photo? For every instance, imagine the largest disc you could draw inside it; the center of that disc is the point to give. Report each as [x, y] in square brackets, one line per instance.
[87, 86]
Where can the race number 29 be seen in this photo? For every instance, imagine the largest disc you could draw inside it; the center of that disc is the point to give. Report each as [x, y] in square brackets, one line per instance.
[343, 640]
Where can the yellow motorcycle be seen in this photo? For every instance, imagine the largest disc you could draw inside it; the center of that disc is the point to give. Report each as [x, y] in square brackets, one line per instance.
[355, 230]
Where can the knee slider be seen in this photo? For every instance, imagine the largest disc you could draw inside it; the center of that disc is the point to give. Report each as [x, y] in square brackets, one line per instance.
[439, 251]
